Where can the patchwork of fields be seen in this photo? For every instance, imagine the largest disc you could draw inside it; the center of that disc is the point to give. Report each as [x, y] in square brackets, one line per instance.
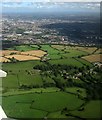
[41, 83]
[22, 53]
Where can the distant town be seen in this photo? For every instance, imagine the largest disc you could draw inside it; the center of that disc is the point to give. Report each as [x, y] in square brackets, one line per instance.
[19, 30]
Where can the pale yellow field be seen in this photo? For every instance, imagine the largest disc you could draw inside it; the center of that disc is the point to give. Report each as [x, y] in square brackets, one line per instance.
[22, 57]
[93, 58]
[38, 53]
[59, 47]
[85, 49]
[8, 52]
[2, 59]
[98, 51]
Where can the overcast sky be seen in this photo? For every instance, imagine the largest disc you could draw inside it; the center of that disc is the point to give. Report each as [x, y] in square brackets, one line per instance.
[50, 5]
[50, 0]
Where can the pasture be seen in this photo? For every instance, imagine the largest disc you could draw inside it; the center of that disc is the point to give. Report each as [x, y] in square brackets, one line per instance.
[43, 103]
[30, 92]
[68, 61]
[23, 48]
[91, 110]
[49, 49]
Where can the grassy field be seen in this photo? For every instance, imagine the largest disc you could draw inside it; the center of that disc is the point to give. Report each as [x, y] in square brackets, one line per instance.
[43, 103]
[34, 93]
[25, 47]
[91, 110]
[77, 90]
[68, 61]
[49, 49]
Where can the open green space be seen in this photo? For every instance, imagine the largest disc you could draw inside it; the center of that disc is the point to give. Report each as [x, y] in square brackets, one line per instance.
[24, 48]
[45, 102]
[49, 49]
[76, 90]
[73, 53]
[91, 110]
[63, 86]
[69, 61]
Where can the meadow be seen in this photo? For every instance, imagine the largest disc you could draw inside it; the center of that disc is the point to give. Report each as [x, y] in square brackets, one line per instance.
[44, 103]
[30, 92]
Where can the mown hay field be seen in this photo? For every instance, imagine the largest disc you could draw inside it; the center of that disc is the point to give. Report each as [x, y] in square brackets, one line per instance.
[93, 58]
[2, 59]
[38, 53]
[22, 57]
[8, 52]
[88, 50]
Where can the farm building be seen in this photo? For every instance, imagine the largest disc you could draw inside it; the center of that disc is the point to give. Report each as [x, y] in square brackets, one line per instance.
[2, 73]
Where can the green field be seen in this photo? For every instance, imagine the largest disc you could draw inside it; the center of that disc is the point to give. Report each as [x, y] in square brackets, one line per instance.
[69, 61]
[52, 87]
[45, 102]
[49, 49]
[24, 48]
[91, 110]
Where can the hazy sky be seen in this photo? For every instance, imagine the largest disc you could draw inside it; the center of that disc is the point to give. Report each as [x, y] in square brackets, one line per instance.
[50, 5]
[50, 0]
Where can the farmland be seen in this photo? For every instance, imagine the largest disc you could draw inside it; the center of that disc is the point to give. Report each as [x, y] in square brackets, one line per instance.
[60, 83]
[94, 58]
[12, 55]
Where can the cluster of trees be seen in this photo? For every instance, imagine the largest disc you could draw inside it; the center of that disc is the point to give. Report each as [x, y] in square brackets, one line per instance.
[26, 87]
[59, 67]
[13, 60]
[91, 82]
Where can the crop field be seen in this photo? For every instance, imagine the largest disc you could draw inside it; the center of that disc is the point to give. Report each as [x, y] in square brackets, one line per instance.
[93, 58]
[37, 53]
[22, 57]
[8, 52]
[28, 54]
[2, 59]
[98, 51]
[88, 50]
[47, 82]
[59, 47]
